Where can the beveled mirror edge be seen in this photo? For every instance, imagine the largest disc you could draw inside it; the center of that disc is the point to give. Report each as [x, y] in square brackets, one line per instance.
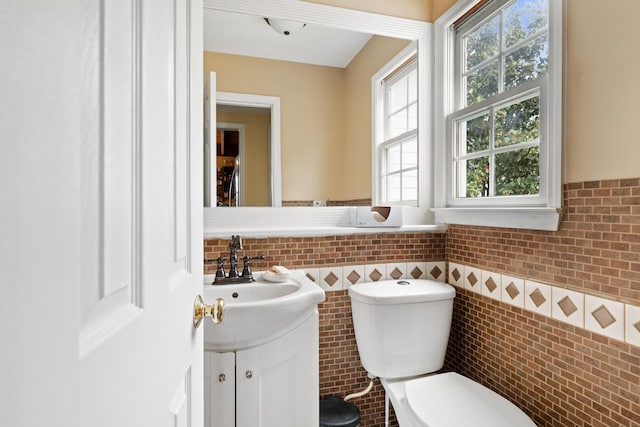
[221, 222]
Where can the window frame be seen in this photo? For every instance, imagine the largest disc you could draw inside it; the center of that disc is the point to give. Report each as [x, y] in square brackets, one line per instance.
[380, 139]
[538, 86]
[513, 211]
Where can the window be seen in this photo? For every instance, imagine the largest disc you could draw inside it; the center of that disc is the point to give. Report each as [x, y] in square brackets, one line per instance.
[499, 120]
[396, 131]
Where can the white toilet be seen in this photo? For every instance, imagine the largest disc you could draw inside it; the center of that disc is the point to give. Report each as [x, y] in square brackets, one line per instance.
[402, 330]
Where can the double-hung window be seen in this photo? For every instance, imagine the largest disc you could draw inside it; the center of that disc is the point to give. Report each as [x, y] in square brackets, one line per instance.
[499, 124]
[396, 132]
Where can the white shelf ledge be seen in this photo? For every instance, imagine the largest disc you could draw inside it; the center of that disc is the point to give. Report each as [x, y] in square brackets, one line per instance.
[546, 219]
[301, 222]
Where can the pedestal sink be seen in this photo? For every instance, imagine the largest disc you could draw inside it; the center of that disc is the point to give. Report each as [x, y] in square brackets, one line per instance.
[258, 312]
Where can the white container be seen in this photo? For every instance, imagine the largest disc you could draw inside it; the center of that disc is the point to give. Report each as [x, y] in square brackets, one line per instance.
[402, 326]
[378, 216]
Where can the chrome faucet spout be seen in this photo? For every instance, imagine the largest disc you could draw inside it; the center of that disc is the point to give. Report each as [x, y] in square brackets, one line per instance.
[234, 247]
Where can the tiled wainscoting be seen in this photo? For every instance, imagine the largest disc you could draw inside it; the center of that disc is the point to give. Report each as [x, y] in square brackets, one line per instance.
[546, 346]
[338, 257]
[613, 319]
[562, 343]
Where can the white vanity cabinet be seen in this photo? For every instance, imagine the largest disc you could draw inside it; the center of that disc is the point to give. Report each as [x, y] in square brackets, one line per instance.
[275, 384]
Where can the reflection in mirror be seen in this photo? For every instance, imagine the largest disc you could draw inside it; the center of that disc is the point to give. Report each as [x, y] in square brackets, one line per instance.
[245, 149]
[325, 93]
[242, 156]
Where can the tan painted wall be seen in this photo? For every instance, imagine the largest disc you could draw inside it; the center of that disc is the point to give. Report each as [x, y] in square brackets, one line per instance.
[326, 117]
[312, 111]
[438, 7]
[601, 88]
[357, 147]
[256, 158]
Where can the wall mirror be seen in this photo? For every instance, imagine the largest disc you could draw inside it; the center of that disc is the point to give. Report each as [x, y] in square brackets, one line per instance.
[324, 158]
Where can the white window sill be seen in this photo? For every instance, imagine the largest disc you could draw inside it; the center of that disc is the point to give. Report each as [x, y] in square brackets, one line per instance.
[547, 219]
[304, 222]
[321, 231]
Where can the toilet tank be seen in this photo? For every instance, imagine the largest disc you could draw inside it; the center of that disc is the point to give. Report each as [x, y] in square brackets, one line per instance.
[402, 326]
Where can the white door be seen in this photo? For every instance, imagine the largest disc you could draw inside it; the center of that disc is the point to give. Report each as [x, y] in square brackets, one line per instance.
[101, 196]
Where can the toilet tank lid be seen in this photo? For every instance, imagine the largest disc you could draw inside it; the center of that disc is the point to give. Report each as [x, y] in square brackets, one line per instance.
[401, 291]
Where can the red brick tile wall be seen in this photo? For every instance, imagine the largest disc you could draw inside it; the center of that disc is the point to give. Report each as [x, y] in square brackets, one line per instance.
[561, 375]
[340, 370]
[327, 251]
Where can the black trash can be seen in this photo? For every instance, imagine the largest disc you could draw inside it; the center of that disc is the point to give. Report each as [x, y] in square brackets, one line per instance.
[335, 412]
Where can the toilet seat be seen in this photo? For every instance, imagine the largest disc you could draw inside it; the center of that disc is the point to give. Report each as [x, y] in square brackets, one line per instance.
[451, 400]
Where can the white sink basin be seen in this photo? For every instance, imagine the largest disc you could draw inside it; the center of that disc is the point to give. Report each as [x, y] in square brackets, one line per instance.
[257, 312]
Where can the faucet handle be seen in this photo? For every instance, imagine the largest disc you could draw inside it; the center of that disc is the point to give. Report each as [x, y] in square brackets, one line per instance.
[246, 269]
[220, 271]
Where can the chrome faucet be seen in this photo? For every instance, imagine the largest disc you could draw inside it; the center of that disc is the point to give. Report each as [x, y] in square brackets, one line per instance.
[233, 276]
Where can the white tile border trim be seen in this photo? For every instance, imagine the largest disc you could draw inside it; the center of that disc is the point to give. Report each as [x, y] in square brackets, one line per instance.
[625, 327]
[533, 289]
[318, 273]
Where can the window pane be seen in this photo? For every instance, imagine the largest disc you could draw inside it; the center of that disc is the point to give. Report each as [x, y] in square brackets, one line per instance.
[518, 172]
[523, 18]
[526, 63]
[398, 123]
[410, 185]
[482, 43]
[398, 95]
[518, 123]
[474, 134]
[413, 117]
[482, 83]
[393, 159]
[409, 154]
[477, 173]
[393, 188]
[413, 86]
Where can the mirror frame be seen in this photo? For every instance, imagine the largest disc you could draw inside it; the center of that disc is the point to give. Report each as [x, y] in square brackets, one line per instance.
[222, 222]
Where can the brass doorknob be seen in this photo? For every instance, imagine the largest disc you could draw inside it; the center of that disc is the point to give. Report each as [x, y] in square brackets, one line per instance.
[201, 310]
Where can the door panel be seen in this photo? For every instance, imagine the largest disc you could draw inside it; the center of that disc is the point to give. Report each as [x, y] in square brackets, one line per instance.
[112, 174]
[152, 359]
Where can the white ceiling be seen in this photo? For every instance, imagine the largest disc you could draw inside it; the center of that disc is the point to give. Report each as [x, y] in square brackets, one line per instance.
[250, 35]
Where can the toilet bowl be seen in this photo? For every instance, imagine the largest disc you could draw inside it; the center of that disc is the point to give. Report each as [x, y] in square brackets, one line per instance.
[451, 400]
[402, 331]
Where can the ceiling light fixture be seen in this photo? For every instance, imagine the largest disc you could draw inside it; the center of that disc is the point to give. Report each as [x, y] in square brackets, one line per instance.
[284, 26]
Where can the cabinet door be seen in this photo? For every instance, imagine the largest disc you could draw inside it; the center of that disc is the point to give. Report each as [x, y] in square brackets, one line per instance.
[277, 383]
[220, 389]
